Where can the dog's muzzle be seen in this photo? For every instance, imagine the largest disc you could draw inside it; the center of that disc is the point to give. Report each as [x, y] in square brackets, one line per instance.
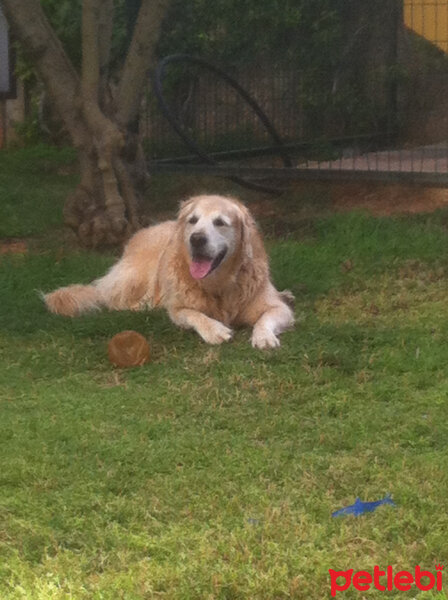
[202, 264]
[198, 240]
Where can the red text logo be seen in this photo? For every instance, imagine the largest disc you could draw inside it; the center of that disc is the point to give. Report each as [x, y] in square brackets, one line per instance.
[386, 580]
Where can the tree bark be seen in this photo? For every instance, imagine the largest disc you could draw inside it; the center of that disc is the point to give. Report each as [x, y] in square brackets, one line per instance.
[104, 208]
[30, 25]
[139, 58]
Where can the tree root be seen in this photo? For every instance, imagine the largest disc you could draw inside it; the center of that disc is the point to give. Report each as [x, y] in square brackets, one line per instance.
[96, 226]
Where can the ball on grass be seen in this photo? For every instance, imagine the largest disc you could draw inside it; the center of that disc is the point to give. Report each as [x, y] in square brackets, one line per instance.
[128, 349]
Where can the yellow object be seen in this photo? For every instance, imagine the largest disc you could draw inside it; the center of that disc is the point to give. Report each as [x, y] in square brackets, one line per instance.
[428, 18]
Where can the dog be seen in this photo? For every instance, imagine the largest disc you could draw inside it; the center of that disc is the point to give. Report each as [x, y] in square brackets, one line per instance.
[208, 269]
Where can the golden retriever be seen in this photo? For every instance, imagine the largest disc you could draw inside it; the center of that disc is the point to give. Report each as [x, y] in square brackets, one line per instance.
[208, 268]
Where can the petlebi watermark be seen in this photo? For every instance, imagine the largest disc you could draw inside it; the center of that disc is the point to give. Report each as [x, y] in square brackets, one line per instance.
[386, 579]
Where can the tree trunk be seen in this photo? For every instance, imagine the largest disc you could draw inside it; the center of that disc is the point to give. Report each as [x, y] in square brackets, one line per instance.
[104, 208]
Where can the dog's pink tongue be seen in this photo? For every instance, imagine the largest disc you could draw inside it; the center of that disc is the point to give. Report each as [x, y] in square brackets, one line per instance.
[200, 269]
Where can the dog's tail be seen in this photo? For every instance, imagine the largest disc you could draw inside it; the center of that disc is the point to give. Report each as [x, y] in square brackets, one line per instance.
[73, 300]
[122, 288]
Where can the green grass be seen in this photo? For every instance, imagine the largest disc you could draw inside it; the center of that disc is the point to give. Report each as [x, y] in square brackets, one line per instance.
[212, 472]
[34, 182]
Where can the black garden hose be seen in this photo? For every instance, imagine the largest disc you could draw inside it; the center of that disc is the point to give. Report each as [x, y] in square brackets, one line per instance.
[157, 81]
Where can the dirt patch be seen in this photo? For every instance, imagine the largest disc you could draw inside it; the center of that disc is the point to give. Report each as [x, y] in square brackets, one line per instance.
[385, 200]
[293, 214]
[13, 246]
[374, 198]
[304, 199]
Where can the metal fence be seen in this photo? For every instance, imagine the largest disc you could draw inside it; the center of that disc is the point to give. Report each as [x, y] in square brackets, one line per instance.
[380, 112]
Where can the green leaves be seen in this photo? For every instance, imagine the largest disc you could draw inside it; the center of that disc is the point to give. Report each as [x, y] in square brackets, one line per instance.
[236, 32]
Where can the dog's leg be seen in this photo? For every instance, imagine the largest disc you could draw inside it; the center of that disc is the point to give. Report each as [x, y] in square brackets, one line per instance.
[131, 284]
[210, 330]
[122, 288]
[271, 323]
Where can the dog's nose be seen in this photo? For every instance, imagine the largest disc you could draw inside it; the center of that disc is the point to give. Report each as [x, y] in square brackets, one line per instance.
[198, 240]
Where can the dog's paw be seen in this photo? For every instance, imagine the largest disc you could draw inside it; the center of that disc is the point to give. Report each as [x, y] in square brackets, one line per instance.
[216, 333]
[263, 339]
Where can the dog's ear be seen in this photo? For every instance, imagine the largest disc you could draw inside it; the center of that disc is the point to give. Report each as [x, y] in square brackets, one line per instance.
[185, 207]
[248, 230]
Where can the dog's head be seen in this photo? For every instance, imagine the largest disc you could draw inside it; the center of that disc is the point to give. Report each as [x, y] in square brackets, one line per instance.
[214, 229]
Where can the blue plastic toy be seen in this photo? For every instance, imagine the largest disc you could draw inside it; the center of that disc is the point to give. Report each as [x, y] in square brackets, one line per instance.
[360, 507]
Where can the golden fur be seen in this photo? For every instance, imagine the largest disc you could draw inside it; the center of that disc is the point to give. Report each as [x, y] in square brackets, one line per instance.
[155, 270]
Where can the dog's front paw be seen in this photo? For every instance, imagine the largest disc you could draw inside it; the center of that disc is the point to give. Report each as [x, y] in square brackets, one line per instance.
[264, 339]
[216, 333]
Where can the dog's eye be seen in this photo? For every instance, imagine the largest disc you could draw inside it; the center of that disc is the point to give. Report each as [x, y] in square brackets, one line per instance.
[193, 220]
[219, 222]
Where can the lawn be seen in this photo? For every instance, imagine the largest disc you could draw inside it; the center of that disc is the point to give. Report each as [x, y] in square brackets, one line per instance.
[212, 472]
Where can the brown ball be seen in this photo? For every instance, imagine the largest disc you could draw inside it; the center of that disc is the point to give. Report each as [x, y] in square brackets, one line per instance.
[128, 349]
